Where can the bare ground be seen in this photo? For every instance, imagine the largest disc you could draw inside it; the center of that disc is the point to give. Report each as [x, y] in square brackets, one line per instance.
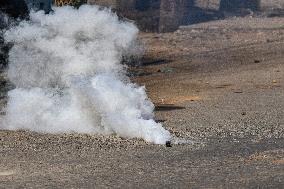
[219, 84]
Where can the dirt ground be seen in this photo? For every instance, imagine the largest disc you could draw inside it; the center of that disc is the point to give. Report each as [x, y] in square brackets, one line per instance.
[218, 84]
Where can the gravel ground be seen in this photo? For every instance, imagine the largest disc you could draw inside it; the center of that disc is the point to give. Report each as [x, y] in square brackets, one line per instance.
[217, 84]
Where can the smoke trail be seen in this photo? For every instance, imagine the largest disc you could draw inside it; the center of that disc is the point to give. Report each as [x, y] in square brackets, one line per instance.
[67, 70]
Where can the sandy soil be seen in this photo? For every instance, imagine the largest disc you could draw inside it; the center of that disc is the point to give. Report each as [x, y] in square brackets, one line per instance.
[219, 84]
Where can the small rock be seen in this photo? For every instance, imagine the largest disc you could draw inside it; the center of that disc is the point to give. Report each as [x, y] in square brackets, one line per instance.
[168, 144]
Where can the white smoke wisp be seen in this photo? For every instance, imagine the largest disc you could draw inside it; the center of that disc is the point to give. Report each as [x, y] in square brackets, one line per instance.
[67, 70]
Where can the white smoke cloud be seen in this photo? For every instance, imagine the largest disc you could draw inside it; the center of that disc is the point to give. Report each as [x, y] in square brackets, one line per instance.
[67, 70]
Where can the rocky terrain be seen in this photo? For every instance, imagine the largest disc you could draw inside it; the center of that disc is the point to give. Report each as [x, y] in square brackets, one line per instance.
[218, 85]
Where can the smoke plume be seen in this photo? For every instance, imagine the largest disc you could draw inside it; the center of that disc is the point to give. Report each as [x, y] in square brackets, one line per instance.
[67, 70]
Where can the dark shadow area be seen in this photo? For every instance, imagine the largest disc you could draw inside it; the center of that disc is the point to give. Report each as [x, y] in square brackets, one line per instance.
[168, 107]
[236, 5]
[14, 8]
[276, 13]
[137, 73]
[197, 15]
[4, 52]
[150, 62]
[143, 5]
[10, 12]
